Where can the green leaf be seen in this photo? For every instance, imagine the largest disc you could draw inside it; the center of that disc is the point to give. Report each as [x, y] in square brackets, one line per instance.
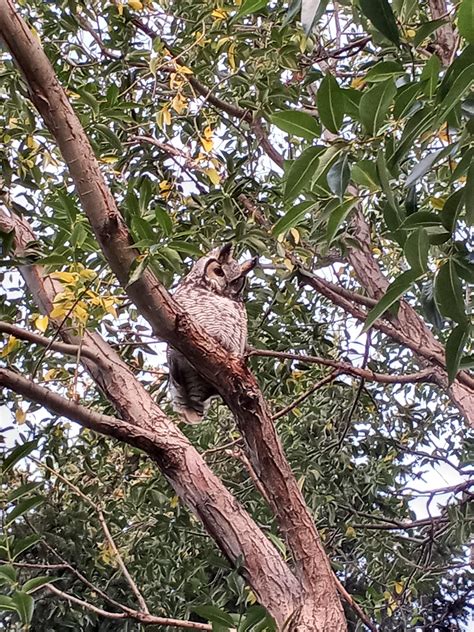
[374, 105]
[394, 292]
[18, 453]
[328, 157]
[113, 139]
[404, 100]
[416, 250]
[37, 582]
[416, 125]
[466, 20]
[411, 201]
[427, 29]
[164, 220]
[384, 177]
[311, 11]
[460, 85]
[137, 268]
[292, 217]
[338, 215]
[22, 491]
[380, 13]
[7, 574]
[7, 603]
[430, 74]
[214, 615]
[78, 235]
[364, 173]
[423, 167]
[451, 209]
[331, 102]
[469, 196]
[23, 544]
[338, 177]
[25, 605]
[22, 508]
[251, 6]
[454, 349]
[448, 293]
[384, 70]
[297, 123]
[302, 171]
[422, 219]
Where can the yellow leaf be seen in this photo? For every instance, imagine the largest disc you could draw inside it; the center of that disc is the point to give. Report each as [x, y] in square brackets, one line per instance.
[251, 598]
[165, 185]
[399, 586]
[351, 532]
[81, 313]
[376, 251]
[357, 83]
[87, 274]
[20, 415]
[109, 160]
[437, 202]
[295, 234]
[135, 4]
[58, 311]
[213, 176]
[120, 8]
[11, 345]
[288, 264]
[163, 117]
[41, 323]
[219, 14]
[231, 56]
[50, 375]
[179, 103]
[410, 33]
[183, 70]
[207, 144]
[31, 143]
[174, 502]
[65, 277]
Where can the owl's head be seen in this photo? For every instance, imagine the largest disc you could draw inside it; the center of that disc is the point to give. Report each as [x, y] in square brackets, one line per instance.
[220, 273]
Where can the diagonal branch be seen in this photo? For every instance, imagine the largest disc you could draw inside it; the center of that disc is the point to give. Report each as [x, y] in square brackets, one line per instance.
[232, 529]
[232, 379]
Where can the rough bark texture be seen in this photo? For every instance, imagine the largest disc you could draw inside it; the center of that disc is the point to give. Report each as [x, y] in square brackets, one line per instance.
[408, 321]
[446, 39]
[145, 426]
[232, 379]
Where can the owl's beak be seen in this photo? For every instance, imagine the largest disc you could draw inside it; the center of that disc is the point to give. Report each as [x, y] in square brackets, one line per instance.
[247, 266]
[225, 252]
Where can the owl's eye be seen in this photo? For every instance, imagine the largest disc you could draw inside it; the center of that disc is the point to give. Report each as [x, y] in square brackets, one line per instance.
[218, 272]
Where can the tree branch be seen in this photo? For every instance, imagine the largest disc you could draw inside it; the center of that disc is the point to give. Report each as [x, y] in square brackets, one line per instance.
[344, 367]
[145, 619]
[233, 380]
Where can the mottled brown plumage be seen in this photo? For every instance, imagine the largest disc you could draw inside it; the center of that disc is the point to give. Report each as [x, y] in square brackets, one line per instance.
[212, 293]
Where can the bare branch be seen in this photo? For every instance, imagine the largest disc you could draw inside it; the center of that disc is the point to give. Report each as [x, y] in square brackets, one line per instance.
[344, 367]
[326, 380]
[105, 529]
[61, 347]
[144, 618]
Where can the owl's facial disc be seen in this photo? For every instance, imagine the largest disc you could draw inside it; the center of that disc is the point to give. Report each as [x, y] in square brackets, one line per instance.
[215, 275]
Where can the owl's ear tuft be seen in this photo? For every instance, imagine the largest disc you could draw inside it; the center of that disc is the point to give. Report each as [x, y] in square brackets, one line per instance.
[225, 252]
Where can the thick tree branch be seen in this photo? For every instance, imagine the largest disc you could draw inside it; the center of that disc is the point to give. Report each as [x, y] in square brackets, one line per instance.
[232, 529]
[233, 380]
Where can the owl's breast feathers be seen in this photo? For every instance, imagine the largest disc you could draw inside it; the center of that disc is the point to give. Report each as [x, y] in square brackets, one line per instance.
[223, 318]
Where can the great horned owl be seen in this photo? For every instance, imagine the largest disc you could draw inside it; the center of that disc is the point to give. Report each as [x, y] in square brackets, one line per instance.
[212, 294]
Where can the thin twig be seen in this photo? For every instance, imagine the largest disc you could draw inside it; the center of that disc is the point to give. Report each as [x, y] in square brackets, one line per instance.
[326, 380]
[105, 529]
[142, 617]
